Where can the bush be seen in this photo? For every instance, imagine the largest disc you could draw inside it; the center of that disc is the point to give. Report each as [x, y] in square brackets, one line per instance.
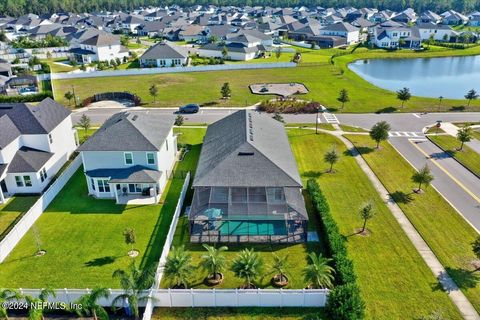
[344, 301]
[288, 106]
[26, 98]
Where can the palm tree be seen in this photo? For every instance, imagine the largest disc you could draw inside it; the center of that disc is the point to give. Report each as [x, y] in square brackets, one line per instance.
[343, 97]
[7, 295]
[318, 274]
[38, 313]
[379, 132]
[248, 266]
[89, 304]
[331, 157]
[471, 95]
[366, 213]
[424, 176]
[214, 262]
[134, 282]
[279, 269]
[404, 95]
[179, 266]
[464, 135]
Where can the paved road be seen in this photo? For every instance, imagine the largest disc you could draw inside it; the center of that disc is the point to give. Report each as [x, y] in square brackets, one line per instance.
[458, 185]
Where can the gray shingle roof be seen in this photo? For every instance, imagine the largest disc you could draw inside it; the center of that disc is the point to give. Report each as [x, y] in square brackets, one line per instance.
[40, 119]
[134, 174]
[131, 131]
[28, 160]
[102, 40]
[238, 151]
[165, 50]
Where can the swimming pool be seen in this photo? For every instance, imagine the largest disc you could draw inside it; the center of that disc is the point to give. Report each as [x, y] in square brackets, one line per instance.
[253, 228]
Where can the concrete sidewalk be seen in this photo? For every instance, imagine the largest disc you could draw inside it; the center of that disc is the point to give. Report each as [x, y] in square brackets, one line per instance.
[452, 130]
[457, 296]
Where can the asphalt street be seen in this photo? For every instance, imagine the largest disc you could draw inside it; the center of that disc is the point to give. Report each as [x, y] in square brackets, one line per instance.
[458, 185]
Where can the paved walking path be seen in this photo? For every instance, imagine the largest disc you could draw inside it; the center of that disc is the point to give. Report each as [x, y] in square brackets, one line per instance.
[457, 296]
[452, 130]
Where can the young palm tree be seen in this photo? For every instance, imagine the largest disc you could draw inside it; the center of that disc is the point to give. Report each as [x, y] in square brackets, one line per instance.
[279, 268]
[423, 177]
[404, 95]
[179, 267]
[248, 266]
[38, 313]
[7, 295]
[318, 274]
[134, 282]
[214, 262]
[464, 135]
[90, 306]
[331, 157]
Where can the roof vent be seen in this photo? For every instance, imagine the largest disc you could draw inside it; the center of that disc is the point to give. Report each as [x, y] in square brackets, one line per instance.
[245, 153]
[135, 117]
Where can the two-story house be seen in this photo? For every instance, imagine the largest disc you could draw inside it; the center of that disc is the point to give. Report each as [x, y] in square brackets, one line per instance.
[35, 142]
[342, 29]
[101, 47]
[130, 157]
[393, 37]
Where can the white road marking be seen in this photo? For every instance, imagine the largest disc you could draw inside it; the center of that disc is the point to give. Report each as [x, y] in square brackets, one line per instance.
[415, 115]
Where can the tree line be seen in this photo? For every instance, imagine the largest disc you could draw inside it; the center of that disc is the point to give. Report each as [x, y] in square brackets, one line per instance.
[19, 7]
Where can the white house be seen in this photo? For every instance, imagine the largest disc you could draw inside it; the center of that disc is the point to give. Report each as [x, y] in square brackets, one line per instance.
[130, 157]
[342, 29]
[35, 142]
[101, 47]
[243, 46]
[440, 32]
[164, 54]
[395, 37]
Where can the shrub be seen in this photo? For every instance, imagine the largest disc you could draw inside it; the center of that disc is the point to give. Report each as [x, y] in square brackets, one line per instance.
[344, 301]
[27, 98]
[288, 106]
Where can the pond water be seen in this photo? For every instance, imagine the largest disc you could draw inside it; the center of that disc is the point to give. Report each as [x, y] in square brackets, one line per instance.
[450, 77]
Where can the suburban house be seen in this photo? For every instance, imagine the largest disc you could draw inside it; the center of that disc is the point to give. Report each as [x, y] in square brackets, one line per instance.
[101, 47]
[242, 46]
[453, 17]
[130, 157]
[393, 37]
[35, 142]
[164, 54]
[439, 32]
[342, 29]
[247, 187]
[430, 16]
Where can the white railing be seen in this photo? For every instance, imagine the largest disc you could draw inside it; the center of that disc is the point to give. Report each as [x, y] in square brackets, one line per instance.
[204, 297]
[147, 315]
[132, 72]
[29, 218]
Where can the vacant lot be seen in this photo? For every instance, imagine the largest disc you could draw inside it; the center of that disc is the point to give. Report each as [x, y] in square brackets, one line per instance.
[323, 79]
[392, 276]
[444, 230]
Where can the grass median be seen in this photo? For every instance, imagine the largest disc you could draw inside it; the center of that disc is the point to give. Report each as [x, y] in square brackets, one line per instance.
[443, 228]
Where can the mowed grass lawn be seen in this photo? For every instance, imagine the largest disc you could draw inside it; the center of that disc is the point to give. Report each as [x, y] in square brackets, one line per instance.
[395, 282]
[12, 210]
[467, 156]
[84, 242]
[444, 230]
[323, 79]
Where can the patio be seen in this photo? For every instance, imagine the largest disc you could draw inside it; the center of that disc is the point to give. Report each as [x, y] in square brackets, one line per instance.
[135, 199]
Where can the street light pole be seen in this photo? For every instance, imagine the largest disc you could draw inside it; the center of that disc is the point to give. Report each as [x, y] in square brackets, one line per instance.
[316, 121]
[74, 96]
[440, 102]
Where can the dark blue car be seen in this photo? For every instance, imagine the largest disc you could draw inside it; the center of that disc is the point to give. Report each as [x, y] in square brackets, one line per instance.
[189, 108]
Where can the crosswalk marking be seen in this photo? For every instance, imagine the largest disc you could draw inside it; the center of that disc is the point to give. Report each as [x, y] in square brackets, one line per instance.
[330, 118]
[408, 134]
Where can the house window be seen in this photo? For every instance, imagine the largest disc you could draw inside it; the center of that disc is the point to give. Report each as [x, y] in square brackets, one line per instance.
[50, 138]
[19, 181]
[43, 174]
[150, 158]
[27, 181]
[93, 184]
[128, 158]
[135, 188]
[103, 185]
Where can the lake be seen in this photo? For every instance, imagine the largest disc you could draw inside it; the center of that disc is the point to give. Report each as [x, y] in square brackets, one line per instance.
[450, 77]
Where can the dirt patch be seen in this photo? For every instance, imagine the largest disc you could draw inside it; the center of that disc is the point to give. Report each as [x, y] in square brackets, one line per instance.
[133, 253]
[364, 233]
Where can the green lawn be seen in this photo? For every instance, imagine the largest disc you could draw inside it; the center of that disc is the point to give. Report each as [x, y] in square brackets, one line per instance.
[348, 128]
[392, 276]
[13, 210]
[238, 313]
[467, 156]
[84, 135]
[323, 79]
[83, 239]
[444, 230]
[324, 126]
[476, 134]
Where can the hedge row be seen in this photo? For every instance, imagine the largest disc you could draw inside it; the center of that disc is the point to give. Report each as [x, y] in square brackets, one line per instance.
[344, 301]
[36, 97]
[288, 106]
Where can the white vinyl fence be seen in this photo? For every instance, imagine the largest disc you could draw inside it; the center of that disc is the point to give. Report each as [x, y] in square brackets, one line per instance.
[132, 72]
[29, 218]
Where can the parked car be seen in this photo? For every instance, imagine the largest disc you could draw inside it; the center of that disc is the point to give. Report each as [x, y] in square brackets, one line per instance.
[189, 108]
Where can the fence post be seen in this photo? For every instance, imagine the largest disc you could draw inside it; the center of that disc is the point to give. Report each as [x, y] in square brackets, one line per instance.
[170, 295]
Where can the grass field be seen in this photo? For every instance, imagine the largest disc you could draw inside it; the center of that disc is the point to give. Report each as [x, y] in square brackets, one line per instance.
[467, 156]
[83, 239]
[323, 79]
[12, 210]
[444, 230]
[348, 128]
[392, 276]
[238, 313]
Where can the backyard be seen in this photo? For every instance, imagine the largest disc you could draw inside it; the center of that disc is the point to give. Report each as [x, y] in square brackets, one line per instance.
[323, 79]
[238, 313]
[445, 231]
[12, 211]
[83, 238]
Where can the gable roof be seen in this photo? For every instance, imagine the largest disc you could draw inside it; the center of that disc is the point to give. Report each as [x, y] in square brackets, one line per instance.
[102, 40]
[165, 50]
[340, 26]
[131, 131]
[28, 160]
[21, 118]
[247, 149]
